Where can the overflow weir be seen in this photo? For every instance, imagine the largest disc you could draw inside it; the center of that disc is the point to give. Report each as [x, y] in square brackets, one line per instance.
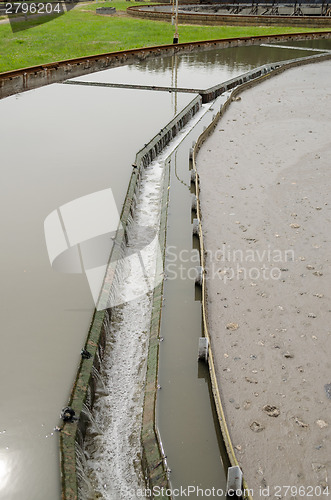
[85, 386]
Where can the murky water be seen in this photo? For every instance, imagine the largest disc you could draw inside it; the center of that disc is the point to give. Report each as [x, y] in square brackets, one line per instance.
[115, 451]
[322, 44]
[197, 70]
[109, 451]
[60, 143]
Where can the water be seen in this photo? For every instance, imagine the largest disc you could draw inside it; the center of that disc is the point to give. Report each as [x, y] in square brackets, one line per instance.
[197, 70]
[82, 140]
[202, 435]
[189, 429]
[99, 382]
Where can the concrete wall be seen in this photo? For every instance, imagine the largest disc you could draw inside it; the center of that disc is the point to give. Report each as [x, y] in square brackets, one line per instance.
[213, 92]
[232, 19]
[106, 11]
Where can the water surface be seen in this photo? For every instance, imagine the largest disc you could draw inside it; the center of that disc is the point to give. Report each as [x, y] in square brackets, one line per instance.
[197, 70]
[58, 143]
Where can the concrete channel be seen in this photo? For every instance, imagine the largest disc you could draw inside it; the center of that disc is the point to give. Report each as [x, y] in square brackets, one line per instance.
[171, 322]
[86, 385]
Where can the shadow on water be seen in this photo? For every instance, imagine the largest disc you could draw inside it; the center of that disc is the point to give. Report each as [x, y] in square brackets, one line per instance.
[203, 373]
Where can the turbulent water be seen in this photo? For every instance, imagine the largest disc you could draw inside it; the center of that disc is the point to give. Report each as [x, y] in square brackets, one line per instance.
[111, 458]
[113, 447]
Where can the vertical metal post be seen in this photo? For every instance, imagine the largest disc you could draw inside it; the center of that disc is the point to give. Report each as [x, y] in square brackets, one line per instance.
[176, 33]
[176, 78]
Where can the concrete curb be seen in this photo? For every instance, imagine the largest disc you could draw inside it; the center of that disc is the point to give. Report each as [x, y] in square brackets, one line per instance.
[84, 384]
[213, 92]
[154, 461]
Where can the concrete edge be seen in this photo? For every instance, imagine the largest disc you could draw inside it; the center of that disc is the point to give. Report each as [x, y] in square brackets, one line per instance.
[229, 19]
[213, 92]
[84, 388]
[200, 140]
[16, 81]
[147, 154]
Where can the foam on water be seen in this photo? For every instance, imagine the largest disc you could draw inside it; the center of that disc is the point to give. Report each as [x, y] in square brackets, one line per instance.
[114, 454]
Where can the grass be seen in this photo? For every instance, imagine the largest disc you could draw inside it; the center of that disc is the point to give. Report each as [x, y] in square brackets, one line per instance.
[81, 32]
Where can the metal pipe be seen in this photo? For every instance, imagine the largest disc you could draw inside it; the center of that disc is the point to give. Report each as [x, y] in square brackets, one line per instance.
[175, 40]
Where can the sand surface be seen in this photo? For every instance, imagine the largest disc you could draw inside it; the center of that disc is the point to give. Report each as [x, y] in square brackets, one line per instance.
[265, 178]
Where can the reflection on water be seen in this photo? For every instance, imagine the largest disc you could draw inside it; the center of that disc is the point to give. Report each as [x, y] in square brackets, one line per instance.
[10, 466]
[5, 472]
[197, 70]
[203, 372]
[314, 44]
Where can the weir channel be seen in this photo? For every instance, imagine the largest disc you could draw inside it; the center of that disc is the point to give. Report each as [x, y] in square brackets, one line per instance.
[188, 425]
[186, 415]
[68, 156]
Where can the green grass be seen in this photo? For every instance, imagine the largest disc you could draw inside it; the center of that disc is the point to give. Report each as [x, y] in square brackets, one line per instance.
[81, 32]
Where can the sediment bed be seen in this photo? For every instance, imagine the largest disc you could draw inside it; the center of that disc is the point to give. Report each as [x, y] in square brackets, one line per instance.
[265, 201]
